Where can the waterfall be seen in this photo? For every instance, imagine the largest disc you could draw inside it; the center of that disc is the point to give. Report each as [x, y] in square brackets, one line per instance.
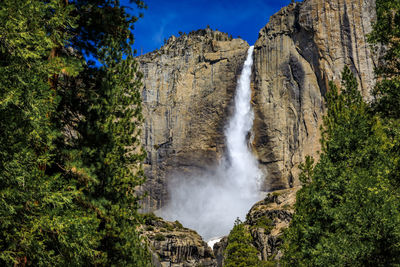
[243, 168]
[210, 203]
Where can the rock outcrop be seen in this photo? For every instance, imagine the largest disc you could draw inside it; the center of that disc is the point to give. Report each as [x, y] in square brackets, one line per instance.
[268, 218]
[266, 221]
[188, 88]
[219, 250]
[173, 245]
[301, 49]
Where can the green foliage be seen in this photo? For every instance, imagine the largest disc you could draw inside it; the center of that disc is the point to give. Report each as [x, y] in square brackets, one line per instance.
[149, 218]
[265, 223]
[37, 210]
[69, 147]
[386, 40]
[159, 237]
[240, 252]
[386, 105]
[178, 224]
[169, 227]
[348, 213]
[387, 98]
[386, 33]
[307, 171]
[104, 152]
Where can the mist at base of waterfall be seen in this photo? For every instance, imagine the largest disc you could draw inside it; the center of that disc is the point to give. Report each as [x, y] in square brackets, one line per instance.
[210, 203]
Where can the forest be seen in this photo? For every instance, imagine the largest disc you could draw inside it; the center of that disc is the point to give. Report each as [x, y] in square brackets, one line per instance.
[69, 149]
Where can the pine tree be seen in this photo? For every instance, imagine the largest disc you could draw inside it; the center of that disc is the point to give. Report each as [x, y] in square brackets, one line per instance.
[106, 150]
[385, 38]
[347, 212]
[69, 146]
[240, 252]
[386, 35]
[106, 154]
[34, 206]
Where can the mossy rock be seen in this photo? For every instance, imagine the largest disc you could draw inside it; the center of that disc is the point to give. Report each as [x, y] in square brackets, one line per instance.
[149, 228]
[264, 222]
[178, 224]
[159, 237]
[150, 218]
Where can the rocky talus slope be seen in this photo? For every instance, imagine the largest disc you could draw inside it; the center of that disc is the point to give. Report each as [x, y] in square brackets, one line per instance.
[301, 49]
[188, 88]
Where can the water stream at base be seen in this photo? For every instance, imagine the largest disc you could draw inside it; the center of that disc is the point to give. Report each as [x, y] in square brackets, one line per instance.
[210, 203]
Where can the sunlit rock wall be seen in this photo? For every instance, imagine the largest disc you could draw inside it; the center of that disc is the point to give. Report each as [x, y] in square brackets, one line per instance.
[188, 90]
[301, 49]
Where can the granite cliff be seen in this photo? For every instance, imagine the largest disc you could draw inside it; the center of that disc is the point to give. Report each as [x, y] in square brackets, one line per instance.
[189, 85]
[301, 49]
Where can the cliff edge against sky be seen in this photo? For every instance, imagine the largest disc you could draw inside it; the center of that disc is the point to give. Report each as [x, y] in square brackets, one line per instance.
[190, 82]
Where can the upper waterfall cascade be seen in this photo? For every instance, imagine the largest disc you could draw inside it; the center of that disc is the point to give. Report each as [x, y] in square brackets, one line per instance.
[210, 203]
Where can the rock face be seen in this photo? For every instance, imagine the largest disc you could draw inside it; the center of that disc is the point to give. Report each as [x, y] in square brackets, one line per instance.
[188, 88]
[176, 246]
[301, 49]
[190, 82]
[265, 221]
[219, 249]
[268, 218]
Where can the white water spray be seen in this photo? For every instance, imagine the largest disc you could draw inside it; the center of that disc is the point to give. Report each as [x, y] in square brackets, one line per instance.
[210, 203]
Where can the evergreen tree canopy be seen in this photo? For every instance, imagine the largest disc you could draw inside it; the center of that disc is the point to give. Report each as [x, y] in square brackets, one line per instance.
[69, 135]
[386, 38]
[386, 35]
[240, 252]
[348, 213]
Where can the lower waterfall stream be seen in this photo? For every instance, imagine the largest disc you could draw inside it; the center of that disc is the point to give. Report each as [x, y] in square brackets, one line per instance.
[210, 203]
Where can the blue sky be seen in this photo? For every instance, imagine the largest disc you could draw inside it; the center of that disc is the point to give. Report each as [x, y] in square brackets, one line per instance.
[164, 18]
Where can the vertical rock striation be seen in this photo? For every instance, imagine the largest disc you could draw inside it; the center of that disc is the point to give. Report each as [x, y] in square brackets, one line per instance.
[188, 88]
[173, 245]
[301, 49]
